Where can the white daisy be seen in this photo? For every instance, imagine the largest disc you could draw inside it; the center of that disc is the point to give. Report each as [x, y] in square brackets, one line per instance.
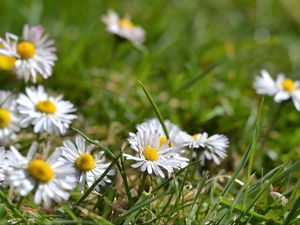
[51, 178]
[34, 53]
[265, 85]
[214, 147]
[2, 165]
[282, 89]
[44, 112]
[89, 166]
[288, 89]
[123, 27]
[9, 121]
[176, 135]
[151, 156]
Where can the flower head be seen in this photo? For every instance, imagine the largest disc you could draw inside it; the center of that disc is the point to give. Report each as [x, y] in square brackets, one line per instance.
[210, 148]
[282, 89]
[29, 56]
[89, 166]
[9, 121]
[152, 156]
[177, 136]
[50, 177]
[44, 112]
[123, 27]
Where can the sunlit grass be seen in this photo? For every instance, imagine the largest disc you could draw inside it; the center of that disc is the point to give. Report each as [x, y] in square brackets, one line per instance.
[196, 68]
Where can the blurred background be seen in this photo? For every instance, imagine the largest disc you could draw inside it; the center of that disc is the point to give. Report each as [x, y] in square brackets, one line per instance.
[199, 62]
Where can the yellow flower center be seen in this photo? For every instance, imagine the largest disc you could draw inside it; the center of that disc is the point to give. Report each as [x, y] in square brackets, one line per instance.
[195, 137]
[125, 23]
[162, 140]
[4, 118]
[289, 85]
[46, 106]
[40, 170]
[7, 62]
[85, 162]
[26, 49]
[151, 154]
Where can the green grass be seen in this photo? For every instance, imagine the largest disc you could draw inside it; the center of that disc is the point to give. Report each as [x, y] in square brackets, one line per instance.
[197, 65]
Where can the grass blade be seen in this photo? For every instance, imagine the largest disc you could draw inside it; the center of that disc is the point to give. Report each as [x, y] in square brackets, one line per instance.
[246, 156]
[293, 213]
[156, 110]
[189, 83]
[15, 211]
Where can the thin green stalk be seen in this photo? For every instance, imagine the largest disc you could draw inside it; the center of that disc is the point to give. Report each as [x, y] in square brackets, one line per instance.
[142, 184]
[293, 213]
[124, 178]
[247, 154]
[273, 122]
[192, 211]
[156, 110]
[190, 82]
[70, 212]
[167, 203]
[148, 199]
[19, 203]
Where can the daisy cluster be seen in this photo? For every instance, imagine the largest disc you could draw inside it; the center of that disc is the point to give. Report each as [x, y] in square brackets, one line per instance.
[53, 176]
[47, 173]
[53, 173]
[30, 57]
[156, 151]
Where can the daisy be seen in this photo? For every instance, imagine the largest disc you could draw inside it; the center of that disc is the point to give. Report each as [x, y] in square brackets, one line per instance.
[44, 112]
[282, 89]
[89, 166]
[123, 27]
[213, 147]
[176, 135]
[33, 54]
[152, 157]
[9, 122]
[51, 178]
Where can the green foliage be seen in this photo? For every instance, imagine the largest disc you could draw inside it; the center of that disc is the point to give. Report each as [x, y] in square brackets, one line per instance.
[196, 68]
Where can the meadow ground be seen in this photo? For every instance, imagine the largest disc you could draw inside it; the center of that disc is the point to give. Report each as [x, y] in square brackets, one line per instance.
[198, 62]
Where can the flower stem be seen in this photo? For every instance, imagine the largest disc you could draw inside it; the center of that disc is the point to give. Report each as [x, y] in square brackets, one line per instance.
[19, 203]
[143, 183]
[275, 118]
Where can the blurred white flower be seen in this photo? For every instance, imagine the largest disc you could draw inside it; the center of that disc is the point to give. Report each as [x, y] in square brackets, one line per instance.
[33, 54]
[123, 27]
[2, 165]
[46, 113]
[279, 197]
[282, 89]
[9, 121]
[265, 85]
[51, 178]
[152, 156]
[210, 148]
[89, 166]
